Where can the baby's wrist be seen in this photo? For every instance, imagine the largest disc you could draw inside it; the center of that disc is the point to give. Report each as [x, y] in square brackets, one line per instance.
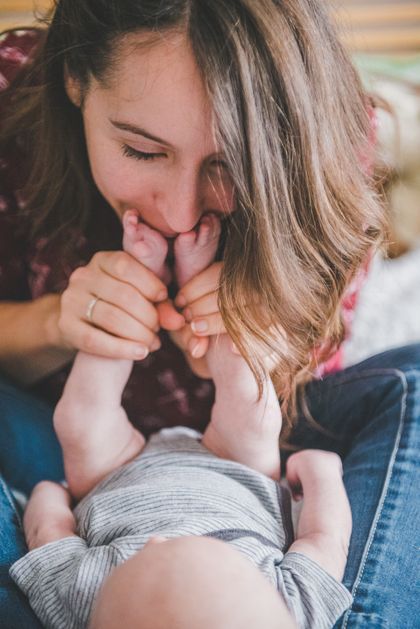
[329, 551]
[46, 534]
[58, 523]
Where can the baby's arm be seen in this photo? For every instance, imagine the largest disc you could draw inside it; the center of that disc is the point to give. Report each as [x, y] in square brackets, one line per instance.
[48, 516]
[61, 575]
[309, 575]
[324, 527]
[92, 427]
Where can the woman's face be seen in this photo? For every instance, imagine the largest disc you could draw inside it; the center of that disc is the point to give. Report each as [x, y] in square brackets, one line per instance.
[149, 138]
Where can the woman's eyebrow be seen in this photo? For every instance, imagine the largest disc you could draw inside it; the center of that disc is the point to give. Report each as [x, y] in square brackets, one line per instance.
[125, 126]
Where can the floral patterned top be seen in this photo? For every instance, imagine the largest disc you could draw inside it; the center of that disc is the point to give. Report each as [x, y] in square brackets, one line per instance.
[162, 390]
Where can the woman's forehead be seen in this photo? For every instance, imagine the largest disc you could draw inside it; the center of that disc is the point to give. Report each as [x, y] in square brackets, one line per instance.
[160, 85]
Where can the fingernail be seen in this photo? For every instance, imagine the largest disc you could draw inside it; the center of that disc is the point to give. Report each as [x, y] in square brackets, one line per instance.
[180, 301]
[162, 295]
[187, 314]
[156, 345]
[195, 349]
[199, 325]
[141, 352]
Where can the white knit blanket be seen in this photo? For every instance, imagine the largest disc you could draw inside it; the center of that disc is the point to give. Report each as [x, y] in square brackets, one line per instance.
[388, 311]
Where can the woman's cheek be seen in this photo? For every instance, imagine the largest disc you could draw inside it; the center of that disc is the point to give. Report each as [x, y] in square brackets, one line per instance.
[122, 188]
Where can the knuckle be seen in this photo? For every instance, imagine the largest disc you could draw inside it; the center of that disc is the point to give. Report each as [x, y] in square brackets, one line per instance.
[96, 258]
[120, 263]
[127, 297]
[77, 275]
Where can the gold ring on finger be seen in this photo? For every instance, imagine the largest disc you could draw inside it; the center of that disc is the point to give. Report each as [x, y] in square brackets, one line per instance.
[90, 308]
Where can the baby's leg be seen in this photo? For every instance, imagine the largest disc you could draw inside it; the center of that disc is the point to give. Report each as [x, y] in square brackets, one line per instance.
[242, 428]
[93, 428]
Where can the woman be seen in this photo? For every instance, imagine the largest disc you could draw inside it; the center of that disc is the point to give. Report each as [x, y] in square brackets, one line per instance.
[175, 110]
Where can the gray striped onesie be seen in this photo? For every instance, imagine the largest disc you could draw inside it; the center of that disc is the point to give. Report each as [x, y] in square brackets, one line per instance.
[176, 487]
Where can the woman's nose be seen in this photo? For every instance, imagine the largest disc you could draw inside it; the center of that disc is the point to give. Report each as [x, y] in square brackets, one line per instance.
[183, 204]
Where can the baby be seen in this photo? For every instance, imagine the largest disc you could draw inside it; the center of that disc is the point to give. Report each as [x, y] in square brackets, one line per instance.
[187, 530]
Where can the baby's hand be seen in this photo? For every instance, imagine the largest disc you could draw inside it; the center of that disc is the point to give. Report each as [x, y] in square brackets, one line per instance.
[324, 526]
[311, 464]
[48, 516]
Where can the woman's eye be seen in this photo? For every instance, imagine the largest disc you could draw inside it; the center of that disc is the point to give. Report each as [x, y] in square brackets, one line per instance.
[219, 166]
[218, 163]
[128, 151]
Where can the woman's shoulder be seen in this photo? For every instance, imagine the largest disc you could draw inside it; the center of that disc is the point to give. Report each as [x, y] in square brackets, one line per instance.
[17, 48]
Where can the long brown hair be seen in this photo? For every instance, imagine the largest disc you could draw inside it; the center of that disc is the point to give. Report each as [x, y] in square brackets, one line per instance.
[293, 122]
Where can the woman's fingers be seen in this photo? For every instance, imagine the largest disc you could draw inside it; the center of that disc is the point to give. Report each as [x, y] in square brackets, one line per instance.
[108, 307]
[189, 343]
[169, 318]
[182, 338]
[126, 298]
[125, 268]
[205, 282]
[209, 325]
[95, 341]
[198, 297]
[115, 321]
[198, 347]
[203, 306]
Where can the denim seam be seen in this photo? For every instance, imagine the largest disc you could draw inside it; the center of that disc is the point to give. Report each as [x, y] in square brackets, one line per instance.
[371, 373]
[403, 378]
[10, 500]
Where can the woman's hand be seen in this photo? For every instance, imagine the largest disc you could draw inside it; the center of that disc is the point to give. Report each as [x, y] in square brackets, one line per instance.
[48, 516]
[109, 307]
[198, 298]
[183, 338]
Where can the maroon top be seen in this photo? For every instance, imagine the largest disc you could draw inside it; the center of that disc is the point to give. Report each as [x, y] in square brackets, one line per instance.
[162, 390]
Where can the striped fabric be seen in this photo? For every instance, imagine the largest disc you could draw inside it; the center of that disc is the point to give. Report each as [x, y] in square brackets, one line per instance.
[174, 488]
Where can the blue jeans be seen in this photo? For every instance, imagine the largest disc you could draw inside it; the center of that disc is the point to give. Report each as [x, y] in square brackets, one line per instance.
[368, 413]
[372, 412]
[29, 452]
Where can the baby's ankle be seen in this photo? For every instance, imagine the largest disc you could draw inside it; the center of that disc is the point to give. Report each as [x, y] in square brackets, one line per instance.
[260, 455]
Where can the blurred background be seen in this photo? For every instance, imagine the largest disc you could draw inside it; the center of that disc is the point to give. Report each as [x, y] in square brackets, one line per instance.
[383, 37]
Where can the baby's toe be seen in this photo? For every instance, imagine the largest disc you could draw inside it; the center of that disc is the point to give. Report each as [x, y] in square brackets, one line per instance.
[209, 230]
[145, 244]
[185, 244]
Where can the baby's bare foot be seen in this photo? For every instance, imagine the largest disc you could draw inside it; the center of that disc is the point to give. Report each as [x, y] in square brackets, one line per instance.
[242, 427]
[145, 244]
[195, 250]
